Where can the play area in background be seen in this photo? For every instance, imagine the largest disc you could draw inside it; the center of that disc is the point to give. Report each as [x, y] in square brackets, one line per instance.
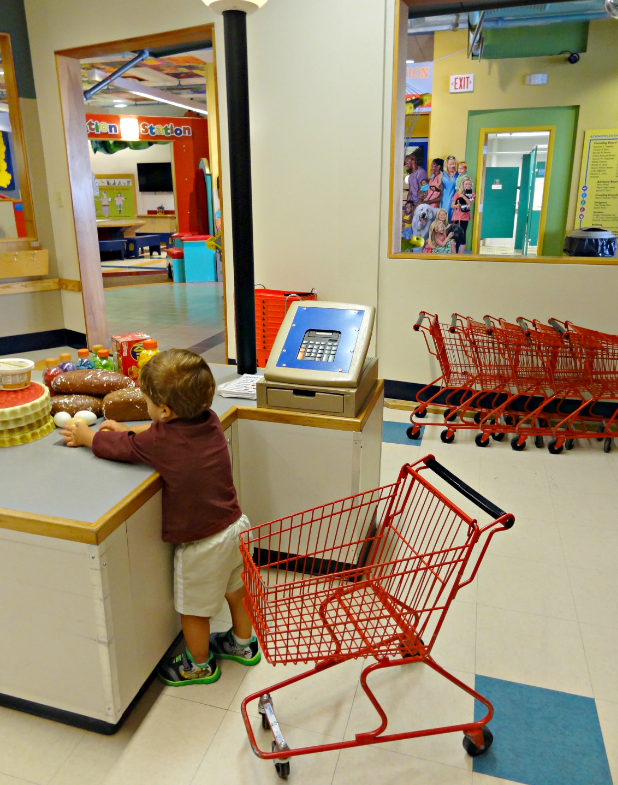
[114, 197]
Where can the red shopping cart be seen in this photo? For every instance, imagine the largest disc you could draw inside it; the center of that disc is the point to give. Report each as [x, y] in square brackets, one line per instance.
[372, 575]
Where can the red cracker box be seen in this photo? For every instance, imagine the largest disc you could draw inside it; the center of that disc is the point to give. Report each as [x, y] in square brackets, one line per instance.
[126, 350]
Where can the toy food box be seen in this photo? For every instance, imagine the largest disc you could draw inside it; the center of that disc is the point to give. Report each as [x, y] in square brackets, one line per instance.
[126, 350]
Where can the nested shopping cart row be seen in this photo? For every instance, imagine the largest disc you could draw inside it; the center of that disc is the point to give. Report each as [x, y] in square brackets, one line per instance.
[527, 379]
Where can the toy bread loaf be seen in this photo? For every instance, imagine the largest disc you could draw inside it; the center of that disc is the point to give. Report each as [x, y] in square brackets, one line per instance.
[75, 403]
[90, 382]
[124, 406]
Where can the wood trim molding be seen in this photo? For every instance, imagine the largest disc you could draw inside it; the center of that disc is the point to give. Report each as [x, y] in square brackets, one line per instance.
[45, 285]
[188, 35]
[510, 259]
[95, 533]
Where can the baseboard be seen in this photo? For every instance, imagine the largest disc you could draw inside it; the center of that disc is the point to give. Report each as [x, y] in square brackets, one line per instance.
[49, 339]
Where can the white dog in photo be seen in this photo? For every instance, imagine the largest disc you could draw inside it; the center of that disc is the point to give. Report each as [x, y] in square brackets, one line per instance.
[422, 220]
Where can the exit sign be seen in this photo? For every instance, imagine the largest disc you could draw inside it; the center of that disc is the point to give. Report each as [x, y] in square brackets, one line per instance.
[462, 83]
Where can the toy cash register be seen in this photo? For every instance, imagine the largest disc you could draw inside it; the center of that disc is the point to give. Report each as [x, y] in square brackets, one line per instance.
[319, 360]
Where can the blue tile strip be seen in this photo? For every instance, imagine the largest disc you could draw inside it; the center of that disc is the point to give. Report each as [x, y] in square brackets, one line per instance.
[395, 433]
[541, 737]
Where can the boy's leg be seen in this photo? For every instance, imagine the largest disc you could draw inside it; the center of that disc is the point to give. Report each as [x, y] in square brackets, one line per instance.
[241, 623]
[238, 643]
[196, 630]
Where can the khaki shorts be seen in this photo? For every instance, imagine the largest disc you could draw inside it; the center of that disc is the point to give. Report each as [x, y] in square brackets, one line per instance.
[208, 569]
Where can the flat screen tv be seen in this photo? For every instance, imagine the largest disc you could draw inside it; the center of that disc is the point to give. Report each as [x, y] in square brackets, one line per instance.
[155, 177]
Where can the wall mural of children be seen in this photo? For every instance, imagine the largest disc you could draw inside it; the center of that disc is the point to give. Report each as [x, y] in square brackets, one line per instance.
[463, 202]
[438, 241]
[449, 180]
[434, 192]
[462, 171]
[406, 223]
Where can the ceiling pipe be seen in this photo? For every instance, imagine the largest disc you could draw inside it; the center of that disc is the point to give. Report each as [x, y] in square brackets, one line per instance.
[122, 70]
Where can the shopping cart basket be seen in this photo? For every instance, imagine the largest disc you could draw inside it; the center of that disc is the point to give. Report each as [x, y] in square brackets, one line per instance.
[372, 575]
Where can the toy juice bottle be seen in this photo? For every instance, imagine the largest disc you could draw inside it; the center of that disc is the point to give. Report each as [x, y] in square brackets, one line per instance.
[84, 362]
[51, 372]
[104, 361]
[94, 352]
[147, 353]
[65, 363]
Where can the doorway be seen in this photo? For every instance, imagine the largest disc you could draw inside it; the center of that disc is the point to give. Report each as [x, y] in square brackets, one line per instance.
[154, 133]
[515, 164]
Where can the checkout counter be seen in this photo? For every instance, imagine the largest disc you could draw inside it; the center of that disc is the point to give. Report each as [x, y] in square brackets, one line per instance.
[86, 589]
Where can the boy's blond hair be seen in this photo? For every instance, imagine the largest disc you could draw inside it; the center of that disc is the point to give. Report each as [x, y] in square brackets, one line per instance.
[179, 379]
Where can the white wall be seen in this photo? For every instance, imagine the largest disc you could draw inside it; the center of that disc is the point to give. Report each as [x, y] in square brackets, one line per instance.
[320, 99]
[125, 162]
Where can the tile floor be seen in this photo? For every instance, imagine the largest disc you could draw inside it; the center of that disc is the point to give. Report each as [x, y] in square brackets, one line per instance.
[537, 633]
[178, 315]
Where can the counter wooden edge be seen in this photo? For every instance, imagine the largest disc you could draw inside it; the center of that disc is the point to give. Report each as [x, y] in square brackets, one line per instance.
[95, 533]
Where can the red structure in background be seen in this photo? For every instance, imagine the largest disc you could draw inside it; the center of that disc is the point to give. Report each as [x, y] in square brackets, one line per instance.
[189, 138]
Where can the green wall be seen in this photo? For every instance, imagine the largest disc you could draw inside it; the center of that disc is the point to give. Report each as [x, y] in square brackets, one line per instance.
[13, 21]
[565, 120]
[541, 41]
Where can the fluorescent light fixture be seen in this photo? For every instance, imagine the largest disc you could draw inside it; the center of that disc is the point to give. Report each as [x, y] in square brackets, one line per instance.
[410, 61]
[129, 128]
[171, 102]
[154, 94]
[119, 105]
[248, 6]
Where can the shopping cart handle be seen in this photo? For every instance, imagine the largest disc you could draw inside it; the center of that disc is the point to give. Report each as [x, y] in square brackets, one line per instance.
[557, 326]
[419, 321]
[465, 490]
[522, 323]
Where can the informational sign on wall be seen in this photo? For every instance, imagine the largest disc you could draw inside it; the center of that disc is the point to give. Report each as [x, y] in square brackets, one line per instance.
[116, 197]
[598, 181]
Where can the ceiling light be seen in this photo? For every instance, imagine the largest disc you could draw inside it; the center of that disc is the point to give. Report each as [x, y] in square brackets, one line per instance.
[119, 103]
[129, 128]
[410, 61]
[248, 6]
[159, 99]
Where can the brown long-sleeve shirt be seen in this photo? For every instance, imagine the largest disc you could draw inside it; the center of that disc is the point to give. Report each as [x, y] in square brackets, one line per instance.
[199, 498]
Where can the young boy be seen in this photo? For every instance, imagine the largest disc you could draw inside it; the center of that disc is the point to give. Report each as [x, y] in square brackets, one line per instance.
[462, 171]
[186, 445]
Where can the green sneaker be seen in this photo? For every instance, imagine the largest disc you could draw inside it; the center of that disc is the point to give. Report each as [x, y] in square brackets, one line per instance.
[225, 647]
[180, 670]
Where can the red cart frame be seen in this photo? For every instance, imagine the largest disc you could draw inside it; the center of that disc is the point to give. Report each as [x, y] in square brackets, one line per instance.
[372, 575]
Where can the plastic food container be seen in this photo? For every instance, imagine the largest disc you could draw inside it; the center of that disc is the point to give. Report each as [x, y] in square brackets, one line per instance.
[15, 373]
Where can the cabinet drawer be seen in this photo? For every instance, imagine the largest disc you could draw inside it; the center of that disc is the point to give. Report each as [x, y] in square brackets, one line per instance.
[330, 403]
[19, 264]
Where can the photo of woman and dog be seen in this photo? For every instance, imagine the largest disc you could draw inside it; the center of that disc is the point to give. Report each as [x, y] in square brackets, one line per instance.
[438, 205]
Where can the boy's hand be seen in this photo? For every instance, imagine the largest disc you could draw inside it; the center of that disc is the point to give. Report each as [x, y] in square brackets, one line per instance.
[112, 425]
[77, 435]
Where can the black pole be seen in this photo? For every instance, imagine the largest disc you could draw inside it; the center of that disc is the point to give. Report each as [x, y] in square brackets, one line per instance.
[237, 85]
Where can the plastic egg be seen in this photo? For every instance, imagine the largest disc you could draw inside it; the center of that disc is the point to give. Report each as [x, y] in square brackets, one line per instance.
[61, 419]
[88, 417]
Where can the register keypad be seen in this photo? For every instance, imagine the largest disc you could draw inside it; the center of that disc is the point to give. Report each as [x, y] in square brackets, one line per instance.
[319, 345]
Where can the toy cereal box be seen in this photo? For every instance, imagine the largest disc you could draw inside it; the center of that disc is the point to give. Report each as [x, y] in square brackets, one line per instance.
[126, 350]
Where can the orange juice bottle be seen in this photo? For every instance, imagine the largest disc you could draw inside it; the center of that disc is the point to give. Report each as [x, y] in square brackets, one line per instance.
[147, 353]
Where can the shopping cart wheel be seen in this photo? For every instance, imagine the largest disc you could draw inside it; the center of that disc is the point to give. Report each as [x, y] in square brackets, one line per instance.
[508, 420]
[481, 440]
[477, 417]
[538, 442]
[283, 769]
[413, 431]
[471, 748]
[446, 437]
[569, 444]
[516, 445]
[552, 447]
[420, 413]
[600, 429]
[607, 444]
[498, 437]
[448, 417]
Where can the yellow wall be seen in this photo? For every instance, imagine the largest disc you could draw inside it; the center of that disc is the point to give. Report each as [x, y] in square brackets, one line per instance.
[591, 84]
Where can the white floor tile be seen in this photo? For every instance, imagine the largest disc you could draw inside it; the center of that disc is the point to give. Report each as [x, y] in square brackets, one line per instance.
[506, 467]
[608, 717]
[529, 649]
[484, 779]
[397, 415]
[170, 744]
[230, 758]
[455, 646]
[584, 510]
[371, 765]
[6, 780]
[528, 586]
[415, 697]
[591, 548]
[530, 538]
[34, 749]
[528, 501]
[588, 473]
[320, 703]
[596, 595]
[601, 647]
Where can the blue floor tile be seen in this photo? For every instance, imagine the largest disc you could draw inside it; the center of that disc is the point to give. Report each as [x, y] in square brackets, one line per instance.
[395, 433]
[541, 737]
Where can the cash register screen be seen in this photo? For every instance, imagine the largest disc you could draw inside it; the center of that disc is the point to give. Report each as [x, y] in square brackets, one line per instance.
[319, 345]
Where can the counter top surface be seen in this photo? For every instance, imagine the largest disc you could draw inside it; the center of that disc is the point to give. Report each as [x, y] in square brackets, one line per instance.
[48, 478]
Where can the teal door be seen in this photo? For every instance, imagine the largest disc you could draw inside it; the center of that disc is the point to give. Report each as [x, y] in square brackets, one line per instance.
[525, 231]
[499, 201]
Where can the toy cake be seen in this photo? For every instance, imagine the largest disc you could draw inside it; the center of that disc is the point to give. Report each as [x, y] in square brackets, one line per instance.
[24, 415]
